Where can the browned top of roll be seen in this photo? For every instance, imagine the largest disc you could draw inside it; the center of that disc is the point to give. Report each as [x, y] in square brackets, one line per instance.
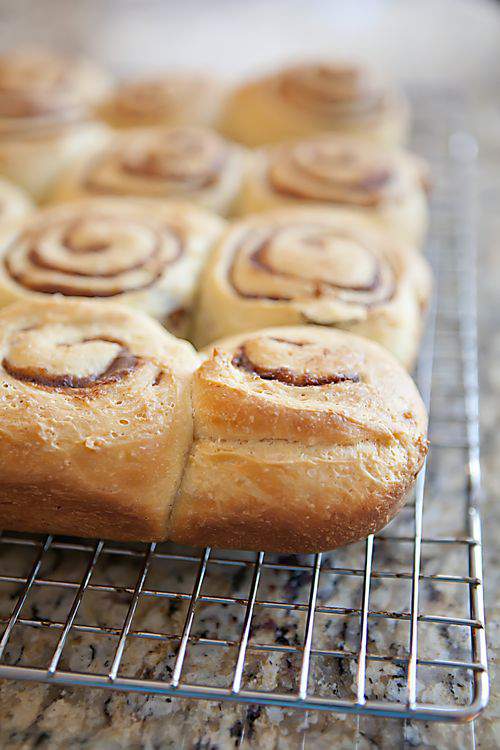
[333, 90]
[94, 249]
[80, 349]
[311, 256]
[308, 384]
[161, 98]
[343, 170]
[40, 88]
[292, 362]
[158, 163]
[117, 361]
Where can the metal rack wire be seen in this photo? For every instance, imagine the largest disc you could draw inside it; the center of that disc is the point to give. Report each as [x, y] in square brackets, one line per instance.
[302, 631]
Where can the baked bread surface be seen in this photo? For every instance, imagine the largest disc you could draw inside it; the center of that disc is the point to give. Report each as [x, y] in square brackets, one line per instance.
[141, 253]
[95, 420]
[185, 163]
[288, 439]
[313, 97]
[173, 98]
[328, 267]
[304, 439]
[387, 185]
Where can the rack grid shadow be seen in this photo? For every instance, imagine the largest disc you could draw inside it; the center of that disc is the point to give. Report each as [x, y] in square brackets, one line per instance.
[393, 626]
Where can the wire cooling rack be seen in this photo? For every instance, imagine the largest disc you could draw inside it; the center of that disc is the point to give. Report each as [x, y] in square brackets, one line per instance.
[393, 626]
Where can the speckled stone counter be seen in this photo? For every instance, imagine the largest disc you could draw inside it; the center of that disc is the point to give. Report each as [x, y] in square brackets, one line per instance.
[34, 715]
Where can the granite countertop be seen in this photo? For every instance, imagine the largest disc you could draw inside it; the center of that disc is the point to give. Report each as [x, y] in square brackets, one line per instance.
[35, 715]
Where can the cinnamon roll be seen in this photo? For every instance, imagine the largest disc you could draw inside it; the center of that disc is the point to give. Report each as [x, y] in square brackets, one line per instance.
[95, 419]
[387, 185]
[141, 253]
[304, 439]
[310, 98]
[314, 265]
[46, 121]
[188, 163]
[175, 98]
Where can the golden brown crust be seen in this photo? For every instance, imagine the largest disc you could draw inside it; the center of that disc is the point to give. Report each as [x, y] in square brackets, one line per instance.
[305, 438]
[140, 253]
[184, 163]
[283, 498]
[95, 412]
[361, 392]
[386, 185]
[311, 265]
[310, 98]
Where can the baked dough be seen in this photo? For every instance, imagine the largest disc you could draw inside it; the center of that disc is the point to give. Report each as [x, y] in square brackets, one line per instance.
[14, 205]
[46, 121]
[304, 439]
[95, 419]
[145, 254]
[309, 98]
[174, 98]
[185, 163]
[385, 184]
[314, 265]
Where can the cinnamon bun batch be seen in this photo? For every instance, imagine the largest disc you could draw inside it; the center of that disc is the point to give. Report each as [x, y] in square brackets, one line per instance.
[322, 266]
[296, 428]
[301, 100]
[46, 116]
[185, 163]
[144, 254]
[175, 98]
[295, 439]
[384, 184]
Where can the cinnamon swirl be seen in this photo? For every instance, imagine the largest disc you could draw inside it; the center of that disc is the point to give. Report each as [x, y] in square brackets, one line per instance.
[310, 98]
[144, 254]
[95, 419]
[46, 122]
[304, 439]
[175, 98]
[322, 266]
[387, 185]
[188, 163]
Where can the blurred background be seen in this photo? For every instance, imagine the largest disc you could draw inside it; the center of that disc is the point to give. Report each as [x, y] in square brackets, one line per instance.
[428, 40]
